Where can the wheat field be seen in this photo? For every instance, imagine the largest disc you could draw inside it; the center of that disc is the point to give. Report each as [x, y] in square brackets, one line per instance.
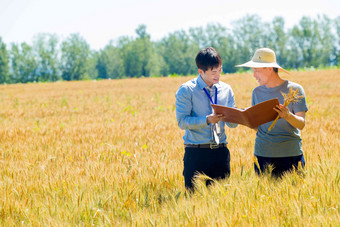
[110, 153]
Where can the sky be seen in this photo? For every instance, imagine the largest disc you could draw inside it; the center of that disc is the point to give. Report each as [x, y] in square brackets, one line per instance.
[99, 21]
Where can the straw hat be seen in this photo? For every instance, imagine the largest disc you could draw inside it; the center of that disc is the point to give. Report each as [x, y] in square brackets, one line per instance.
[263, 58]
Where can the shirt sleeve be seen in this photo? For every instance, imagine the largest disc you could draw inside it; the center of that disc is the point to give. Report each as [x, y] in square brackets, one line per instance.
[253, 98]
[231, 103]
[301, 105]
[184, 109]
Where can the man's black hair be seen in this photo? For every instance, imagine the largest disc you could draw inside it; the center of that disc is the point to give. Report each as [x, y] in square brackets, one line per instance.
[276, 69]
[208, 58]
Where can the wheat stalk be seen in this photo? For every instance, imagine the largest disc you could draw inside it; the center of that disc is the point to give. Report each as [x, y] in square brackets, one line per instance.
[87, 163]
[291, 97]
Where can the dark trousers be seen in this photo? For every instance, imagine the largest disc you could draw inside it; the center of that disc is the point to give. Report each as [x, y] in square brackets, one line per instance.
[214, 163]
[279, 165]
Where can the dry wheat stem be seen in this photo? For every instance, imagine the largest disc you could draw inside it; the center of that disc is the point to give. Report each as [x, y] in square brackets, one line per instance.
[86, 153]
[292, 97]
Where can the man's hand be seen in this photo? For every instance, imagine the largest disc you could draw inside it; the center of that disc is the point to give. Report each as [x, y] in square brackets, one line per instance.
[282, 111]
[214, 118]
[296, 120]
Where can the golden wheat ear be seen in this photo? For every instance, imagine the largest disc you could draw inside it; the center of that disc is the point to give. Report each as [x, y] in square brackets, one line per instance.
[291, 97]
[257, 164]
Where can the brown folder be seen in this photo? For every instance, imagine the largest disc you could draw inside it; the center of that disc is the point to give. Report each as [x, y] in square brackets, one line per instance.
[252, 117]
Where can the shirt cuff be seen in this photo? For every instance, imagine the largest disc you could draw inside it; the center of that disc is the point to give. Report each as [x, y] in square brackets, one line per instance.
[203, 121]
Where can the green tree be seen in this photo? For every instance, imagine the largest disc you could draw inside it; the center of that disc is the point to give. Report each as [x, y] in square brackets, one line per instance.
[229, 53]
[325, 49]
[224, 43]
[23, 64]
[248, 33]
[101, 65]
[138, 55]
[110, 64]
[179, 53]
[74, 58]
[4, 63]
[278, 40]
[295, 56]
[211, 36]
[215, 34]
[130, 56]
[144, 47]
[156, 65]
[336, 51]
[45, 46]
[199, 37]
[304, 44]
[92, 72]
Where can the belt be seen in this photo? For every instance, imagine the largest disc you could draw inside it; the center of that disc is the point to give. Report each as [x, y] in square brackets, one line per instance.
[208, 145]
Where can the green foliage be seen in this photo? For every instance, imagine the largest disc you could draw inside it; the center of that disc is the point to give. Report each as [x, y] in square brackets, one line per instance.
[278, 40]
[45, 47]
[109, 63]
[92, 60]
[23, 64]
[249, 32]
[312, 43]
[137, 54]
[74, 58]
[336, 51]
[179, 53]
[4, 60]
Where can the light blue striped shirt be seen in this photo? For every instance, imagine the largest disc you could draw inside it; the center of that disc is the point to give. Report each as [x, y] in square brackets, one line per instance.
[193, 107]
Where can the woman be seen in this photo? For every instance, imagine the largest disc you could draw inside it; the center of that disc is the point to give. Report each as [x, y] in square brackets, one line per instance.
[281, 147]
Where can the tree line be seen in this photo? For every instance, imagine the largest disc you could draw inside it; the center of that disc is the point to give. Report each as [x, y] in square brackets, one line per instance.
[313, 42]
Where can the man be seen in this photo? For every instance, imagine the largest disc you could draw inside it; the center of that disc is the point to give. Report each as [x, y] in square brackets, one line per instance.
[205, 141]
[281, 147]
